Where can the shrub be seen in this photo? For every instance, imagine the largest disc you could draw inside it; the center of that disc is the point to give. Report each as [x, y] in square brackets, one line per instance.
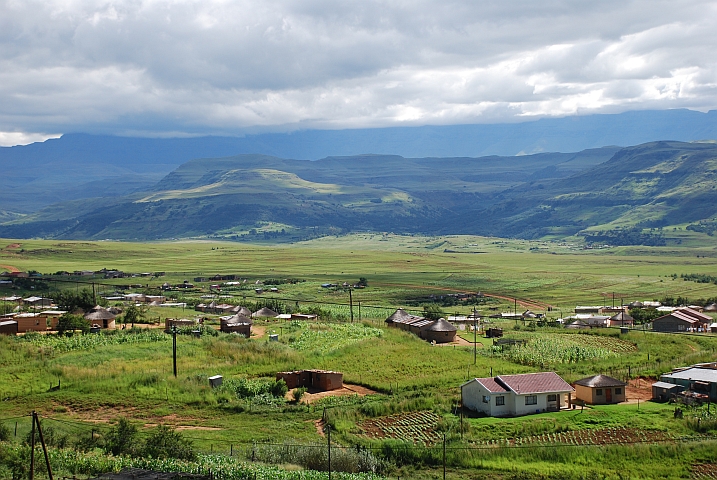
[122, 438]
[298, 393]
[165, 442]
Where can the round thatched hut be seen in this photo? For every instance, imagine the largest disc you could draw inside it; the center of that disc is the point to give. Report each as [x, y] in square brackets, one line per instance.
[236, 324]
[101, 316]
[399, 316]
[264, 313]
[241, 310]
[622, 319]
[441, 332]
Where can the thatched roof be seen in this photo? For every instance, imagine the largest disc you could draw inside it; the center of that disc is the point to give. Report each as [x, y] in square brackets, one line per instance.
[600, 381]
[636, 305]
[99, 313]
[441, 325]
[398, 316]
[712, 307]
[264, 312]
[621, 317]
[237, 319]
[241, 310]
[529, 314]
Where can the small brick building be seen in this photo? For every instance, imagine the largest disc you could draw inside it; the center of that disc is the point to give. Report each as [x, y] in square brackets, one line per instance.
[319, 380]
[600, 390]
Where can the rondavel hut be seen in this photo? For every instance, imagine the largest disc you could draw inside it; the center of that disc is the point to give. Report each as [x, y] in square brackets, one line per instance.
[239, 324]
[440, 331]
[101, 316]
[264, 313]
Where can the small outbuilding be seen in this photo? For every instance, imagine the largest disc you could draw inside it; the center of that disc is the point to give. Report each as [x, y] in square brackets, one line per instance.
[600, 390]
[440, 331]
[663, 391]
[317, 380]
[102, 317]
[8, 327]
[238, 324]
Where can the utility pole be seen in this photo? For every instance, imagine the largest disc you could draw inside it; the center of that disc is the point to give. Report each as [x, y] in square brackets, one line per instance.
[174, 349]
[32, 448]
[351, 302]
[475, 337]
[444, 456]
[36, 420]
[328, 444]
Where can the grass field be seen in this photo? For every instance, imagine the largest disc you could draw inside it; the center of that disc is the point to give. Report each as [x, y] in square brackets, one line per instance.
[129, 374]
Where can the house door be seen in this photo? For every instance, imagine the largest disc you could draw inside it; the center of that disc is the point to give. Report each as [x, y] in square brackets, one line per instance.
[608, 395]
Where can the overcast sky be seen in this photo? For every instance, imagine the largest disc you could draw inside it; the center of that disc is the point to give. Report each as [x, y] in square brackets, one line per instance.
[165, 68]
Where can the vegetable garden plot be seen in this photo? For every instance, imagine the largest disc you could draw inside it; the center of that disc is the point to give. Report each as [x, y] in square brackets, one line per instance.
[567, 348]
[415, 427]
[324, 338]
[603, 436]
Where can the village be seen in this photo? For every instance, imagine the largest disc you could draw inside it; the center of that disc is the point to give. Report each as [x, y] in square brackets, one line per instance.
[495, 396]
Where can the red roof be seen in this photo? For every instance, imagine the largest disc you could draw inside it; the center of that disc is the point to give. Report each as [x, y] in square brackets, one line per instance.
[491, 385]
[544, 382]
[680, 315]
[699, 316]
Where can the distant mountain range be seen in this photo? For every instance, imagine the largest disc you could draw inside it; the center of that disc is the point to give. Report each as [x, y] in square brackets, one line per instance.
[606, 194]
[79, 166]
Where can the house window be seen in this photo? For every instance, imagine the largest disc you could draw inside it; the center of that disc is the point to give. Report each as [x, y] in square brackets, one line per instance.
[500, 400]
[618, 391]
[552, 397]
[598, 392]
[486, 399]
[531, 399]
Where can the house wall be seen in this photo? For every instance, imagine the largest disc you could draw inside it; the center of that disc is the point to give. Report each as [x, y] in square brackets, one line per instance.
[473, 394]
[328, 380]
[671, 324]
[8, 328]
[590, 394]
[439, 337]
[31, 324]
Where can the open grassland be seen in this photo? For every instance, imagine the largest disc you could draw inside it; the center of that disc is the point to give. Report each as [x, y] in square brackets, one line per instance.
[399, 267]
[129, 373]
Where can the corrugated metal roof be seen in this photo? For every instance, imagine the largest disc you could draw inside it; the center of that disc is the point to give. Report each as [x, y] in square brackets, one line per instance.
[666, 385]
[491, 385]
[543, 382]
[699, 316]
[698, 374]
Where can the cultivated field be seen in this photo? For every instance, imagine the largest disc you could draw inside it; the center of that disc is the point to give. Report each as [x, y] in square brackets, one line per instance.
[400, 429]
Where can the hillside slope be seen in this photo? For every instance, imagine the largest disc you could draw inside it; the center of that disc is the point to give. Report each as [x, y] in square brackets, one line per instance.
[649, 185]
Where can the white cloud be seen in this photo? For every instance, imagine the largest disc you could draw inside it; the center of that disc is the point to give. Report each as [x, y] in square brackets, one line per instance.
[191, 67]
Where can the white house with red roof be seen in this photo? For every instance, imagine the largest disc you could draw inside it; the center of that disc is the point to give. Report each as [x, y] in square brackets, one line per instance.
[514, 395]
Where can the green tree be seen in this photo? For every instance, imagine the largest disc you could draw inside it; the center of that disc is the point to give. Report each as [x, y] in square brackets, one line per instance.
[134, 314]
[165, 442]
[122, 438]
[69, 322]
[363, 282]
[433, 312]
[71, 301]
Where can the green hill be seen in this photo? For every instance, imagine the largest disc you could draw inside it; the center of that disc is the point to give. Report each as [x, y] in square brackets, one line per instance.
[607, 194]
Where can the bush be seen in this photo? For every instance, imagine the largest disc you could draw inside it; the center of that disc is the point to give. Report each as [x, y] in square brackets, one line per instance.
[122, 438]
[51, 436]
[165, 442]
[4, 432]
[298, 393]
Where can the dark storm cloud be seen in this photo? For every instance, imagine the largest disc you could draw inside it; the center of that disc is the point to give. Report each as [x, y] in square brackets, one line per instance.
[192, 67]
